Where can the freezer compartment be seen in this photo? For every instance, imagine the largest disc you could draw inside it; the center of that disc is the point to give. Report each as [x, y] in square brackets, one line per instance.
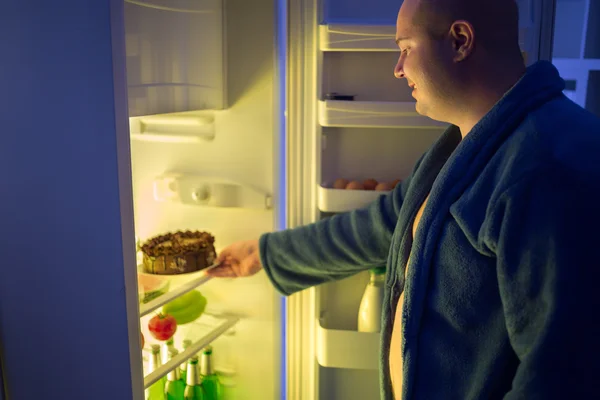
[338, 348]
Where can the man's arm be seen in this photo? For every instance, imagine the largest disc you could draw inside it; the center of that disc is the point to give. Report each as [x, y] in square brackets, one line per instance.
[546, 230]
[333, 248]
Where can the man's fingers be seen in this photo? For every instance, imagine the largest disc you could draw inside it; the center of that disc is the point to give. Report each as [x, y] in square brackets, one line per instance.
[222, 271]
[222, 256]
[249, 266]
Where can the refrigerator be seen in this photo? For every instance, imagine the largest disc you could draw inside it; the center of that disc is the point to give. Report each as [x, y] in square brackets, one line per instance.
[126, 119]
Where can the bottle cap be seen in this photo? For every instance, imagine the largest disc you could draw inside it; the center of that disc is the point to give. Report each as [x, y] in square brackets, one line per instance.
[207, 350]
[378, 271]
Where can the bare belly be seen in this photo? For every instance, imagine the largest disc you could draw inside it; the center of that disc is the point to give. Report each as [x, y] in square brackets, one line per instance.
[396, 361]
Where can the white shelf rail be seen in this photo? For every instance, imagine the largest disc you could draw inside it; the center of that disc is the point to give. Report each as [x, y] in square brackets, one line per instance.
[350, 37]
[147, 308]
[373, 114]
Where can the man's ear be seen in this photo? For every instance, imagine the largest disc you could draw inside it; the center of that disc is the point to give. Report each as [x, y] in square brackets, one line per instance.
[462, 36]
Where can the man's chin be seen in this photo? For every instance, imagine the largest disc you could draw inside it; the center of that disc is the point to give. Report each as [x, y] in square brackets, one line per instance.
[420, 109]
[426, 113]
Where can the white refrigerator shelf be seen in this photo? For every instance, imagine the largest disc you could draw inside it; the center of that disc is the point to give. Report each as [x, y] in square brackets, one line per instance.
[341, 200]
[373, 114]
[349, 37]
[206, 329]
[338, 348]
[179, 290]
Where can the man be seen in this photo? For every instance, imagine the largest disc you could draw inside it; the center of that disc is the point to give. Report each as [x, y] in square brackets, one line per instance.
[490, 244]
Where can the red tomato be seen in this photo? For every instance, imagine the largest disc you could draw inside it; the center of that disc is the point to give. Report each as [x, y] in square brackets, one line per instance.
[162, 327]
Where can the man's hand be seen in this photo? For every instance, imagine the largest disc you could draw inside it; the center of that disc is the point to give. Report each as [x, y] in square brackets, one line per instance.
[238, 259]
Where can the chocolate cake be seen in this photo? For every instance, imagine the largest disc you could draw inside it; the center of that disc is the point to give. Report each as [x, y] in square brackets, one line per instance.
[178, 253]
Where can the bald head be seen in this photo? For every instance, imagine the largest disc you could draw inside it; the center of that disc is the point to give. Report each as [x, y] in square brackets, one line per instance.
[458, 56]
[495, 22]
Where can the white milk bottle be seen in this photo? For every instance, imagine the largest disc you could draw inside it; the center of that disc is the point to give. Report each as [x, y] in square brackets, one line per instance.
[369, 312]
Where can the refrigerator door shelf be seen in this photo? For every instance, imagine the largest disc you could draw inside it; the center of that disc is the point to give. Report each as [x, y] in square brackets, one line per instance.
[209, 192]
[341, 200]
[348, 37]
[347, 349]
[373, 114]
[186, 127]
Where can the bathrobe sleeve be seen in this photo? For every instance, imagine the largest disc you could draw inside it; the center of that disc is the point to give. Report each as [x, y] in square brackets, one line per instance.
[333, 248]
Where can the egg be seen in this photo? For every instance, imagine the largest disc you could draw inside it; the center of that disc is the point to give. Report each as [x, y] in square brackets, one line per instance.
[355, 185]
[370, 184]
[384, 186]
[340, 183]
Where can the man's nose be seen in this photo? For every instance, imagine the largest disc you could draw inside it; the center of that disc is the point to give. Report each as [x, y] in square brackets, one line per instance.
[399, 69]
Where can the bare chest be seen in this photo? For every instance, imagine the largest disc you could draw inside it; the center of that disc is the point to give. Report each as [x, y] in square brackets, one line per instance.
[418, 217]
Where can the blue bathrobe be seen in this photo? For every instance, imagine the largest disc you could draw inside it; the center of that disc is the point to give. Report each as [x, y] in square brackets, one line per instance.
[502, 297]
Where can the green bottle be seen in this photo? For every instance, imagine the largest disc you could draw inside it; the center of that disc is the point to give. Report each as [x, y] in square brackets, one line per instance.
[210, 381]
[183, 367]
[174, 387]
[193, 387]
[157, 390]
[167, 347]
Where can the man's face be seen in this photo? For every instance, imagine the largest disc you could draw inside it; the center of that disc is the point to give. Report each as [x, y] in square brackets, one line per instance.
[425, 63]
